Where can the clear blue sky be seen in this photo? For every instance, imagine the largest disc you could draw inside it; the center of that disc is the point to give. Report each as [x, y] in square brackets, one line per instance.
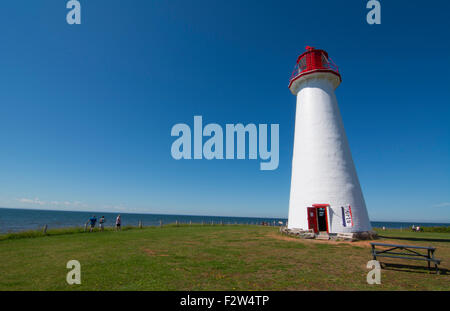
[86, 110]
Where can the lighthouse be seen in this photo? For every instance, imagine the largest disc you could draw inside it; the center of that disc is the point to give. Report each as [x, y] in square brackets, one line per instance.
[326, 195]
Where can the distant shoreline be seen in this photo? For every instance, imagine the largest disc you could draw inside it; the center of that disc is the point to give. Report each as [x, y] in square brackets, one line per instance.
[19, 220]
[134, 213]
[192, 215]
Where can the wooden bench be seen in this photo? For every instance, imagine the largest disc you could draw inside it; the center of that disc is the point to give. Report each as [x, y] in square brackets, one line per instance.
[411, 252]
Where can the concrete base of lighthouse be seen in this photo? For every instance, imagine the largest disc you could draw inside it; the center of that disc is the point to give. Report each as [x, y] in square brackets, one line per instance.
[355, 236]
[324, 179]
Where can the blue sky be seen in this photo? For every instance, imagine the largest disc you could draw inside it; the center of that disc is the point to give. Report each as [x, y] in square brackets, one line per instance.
[86, 110]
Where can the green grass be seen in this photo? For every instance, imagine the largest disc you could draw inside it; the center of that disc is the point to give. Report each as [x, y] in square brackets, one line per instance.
[437, 229]
[231, 257]
[51, 232]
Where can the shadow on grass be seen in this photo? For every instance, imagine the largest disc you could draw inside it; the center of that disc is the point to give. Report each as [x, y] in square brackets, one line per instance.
[413, 239]
[412, 269]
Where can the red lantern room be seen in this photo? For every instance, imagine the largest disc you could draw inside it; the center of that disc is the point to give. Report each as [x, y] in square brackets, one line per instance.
[313, 60]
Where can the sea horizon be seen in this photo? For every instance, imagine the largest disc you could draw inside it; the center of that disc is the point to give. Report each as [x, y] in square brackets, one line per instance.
[21, 219]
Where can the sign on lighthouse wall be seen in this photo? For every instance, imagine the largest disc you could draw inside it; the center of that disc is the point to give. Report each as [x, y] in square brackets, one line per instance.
[325, 195]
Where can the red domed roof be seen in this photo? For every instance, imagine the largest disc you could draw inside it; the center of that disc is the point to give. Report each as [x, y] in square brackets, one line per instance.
[313, 60]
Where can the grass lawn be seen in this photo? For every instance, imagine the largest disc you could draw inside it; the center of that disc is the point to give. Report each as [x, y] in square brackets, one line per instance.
[231, 257]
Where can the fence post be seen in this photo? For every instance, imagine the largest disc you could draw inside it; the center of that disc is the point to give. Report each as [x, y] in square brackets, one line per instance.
[140, 224]
[85, 227]
[190, 222]
[176, 222]
[44, 230]
[160, 223]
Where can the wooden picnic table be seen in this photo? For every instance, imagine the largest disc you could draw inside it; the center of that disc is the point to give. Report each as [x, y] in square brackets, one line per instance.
[411, 253]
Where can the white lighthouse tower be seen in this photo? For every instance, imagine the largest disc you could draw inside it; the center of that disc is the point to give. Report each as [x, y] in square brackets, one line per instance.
[325, 192]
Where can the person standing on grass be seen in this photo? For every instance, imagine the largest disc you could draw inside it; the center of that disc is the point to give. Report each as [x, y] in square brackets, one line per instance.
[118, 222]
[92, 221]
[101, 222]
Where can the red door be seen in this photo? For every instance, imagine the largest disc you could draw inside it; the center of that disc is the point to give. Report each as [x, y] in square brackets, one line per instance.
[312, 219]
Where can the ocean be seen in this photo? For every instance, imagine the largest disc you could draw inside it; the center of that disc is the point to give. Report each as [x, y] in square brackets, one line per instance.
[16, 220]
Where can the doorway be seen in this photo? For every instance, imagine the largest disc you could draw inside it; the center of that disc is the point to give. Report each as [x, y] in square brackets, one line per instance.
[318, 218]
[322, 219]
